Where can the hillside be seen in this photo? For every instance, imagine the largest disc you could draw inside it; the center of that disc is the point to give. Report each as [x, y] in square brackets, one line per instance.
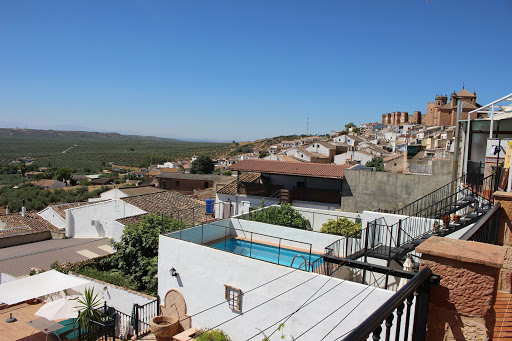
[73, 135]
[83, 151]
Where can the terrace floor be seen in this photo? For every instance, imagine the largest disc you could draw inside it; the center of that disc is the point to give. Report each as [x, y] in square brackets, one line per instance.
[20, 330]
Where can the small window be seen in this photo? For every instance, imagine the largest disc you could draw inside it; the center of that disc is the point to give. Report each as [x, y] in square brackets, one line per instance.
[234, 297]
[177, 183]
[206, 184]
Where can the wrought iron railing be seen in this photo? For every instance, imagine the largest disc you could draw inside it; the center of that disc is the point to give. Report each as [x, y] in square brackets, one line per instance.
[142, 315]
[445, 198]
[103, 330]
[486, 229]
[398, 311]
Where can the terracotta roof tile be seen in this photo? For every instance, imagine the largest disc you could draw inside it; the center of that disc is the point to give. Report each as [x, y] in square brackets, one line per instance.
[244, 178]
[465, 93]
[15, 222]
[132, 191]
[170, 203]
[318, 170]
[59, 209]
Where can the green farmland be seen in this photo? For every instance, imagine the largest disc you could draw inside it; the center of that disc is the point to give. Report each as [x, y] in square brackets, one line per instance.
[83, 151]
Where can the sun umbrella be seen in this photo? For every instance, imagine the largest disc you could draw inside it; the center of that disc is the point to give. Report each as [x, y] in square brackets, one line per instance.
[408, 265]
[63, 308]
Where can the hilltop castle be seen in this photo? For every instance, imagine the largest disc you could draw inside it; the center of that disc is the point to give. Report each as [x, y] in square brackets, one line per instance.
[440, 112]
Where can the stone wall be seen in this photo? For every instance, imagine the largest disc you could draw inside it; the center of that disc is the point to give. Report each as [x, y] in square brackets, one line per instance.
[461, 305]
[363, 190]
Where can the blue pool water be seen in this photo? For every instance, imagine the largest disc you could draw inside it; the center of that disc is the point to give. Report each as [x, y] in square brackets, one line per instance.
[267, 252]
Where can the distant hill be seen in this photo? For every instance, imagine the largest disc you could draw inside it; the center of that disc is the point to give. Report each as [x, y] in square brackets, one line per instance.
[74, 135]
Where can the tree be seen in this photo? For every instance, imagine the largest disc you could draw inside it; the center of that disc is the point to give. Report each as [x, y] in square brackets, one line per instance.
[262, 155]
[63, 174]
[342, 227]
[202, 165]
[349, 125]
[283, 215]
[376, 162]
[88, 310]
[137, 251]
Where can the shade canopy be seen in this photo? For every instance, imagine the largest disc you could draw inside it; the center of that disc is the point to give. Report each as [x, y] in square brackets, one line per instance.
[36, 286]
[64, 308]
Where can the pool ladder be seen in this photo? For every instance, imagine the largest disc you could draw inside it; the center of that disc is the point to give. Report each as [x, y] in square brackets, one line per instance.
[305, 263]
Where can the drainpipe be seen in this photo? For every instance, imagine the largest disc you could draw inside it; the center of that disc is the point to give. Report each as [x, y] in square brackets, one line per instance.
[23, 210]
[455, 165]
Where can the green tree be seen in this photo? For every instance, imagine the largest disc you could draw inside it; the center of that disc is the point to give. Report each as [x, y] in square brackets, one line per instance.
[342, 227]
[262, 155]
[349, 125]
[63, 174]
[202, 165]
[137, 251]
[376, 162]
[88, 309]
[283, 215]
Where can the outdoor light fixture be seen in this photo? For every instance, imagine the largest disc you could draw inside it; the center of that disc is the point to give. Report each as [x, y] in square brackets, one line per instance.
[173, 271]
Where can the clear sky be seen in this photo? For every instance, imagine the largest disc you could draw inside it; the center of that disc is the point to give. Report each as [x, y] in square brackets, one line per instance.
[243, 69]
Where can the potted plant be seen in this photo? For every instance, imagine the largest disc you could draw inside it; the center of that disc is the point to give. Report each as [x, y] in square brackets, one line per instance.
[456, 218]
[446, 220]
[436, 226]
[88, 309]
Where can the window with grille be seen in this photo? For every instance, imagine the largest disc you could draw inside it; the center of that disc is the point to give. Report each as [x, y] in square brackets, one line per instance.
[234, 297]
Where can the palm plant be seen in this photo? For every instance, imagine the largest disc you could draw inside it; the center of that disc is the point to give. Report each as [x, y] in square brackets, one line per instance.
[88, 311]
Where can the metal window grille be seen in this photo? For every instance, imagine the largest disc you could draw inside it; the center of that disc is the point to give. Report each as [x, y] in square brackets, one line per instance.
[234, 297]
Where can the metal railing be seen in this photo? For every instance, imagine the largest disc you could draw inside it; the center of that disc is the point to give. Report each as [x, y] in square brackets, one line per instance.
[103, 330]
[433, 203]
[486, 229]
[253, 239]
[399, 309]
[316, 219]
[142, 315]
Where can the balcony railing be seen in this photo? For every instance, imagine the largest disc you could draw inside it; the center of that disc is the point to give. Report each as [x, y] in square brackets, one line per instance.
[398, 312]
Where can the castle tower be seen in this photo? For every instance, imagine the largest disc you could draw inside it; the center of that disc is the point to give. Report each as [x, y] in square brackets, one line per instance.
[405, 117]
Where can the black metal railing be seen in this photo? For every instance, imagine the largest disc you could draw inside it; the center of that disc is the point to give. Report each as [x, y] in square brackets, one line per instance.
[103, 330]
[486, 229]
[142, 315]
[398, 311]
[445, 198]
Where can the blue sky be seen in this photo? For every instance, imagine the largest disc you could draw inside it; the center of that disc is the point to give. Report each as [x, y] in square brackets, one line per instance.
[241, 70]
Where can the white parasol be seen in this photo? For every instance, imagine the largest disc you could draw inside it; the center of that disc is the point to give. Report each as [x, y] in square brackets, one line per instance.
[408, 266]
[63, 308]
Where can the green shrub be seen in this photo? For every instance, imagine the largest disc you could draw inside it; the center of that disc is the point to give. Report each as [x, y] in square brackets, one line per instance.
[212, 335]
[283, 215]
[342, 227]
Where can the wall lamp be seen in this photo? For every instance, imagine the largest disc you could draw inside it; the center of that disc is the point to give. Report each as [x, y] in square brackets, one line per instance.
[173, 272]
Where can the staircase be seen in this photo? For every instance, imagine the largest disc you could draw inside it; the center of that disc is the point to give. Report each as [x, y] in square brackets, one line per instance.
[464, 197]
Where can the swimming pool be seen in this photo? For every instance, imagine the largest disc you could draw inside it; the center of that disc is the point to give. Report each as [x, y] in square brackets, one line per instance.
[267, 252]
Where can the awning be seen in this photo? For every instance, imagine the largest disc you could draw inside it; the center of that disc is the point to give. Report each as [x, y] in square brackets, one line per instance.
[38, 285]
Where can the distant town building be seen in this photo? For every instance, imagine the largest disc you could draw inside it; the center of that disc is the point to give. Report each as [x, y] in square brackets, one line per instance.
[441, 112]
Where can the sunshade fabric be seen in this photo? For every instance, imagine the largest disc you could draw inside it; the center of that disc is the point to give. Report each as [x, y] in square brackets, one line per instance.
[38, 285]
[63, 308]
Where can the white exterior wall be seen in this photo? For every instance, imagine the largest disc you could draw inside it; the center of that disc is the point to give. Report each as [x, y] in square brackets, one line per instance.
[318, 148]
[203, 272]
[341, 159]
[112, 194]
[107, 213]
[117, 297]
[241, 203]
[52, 217]
[317, 216]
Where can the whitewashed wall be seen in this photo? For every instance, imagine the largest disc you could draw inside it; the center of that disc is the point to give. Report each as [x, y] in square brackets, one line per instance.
[241, 203]
[107, 212]
[318, 215]
[52, 217]
[204, 271]
[120, 298]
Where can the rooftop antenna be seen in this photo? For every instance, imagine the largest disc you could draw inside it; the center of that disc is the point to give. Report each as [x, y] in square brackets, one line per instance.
[307, 127]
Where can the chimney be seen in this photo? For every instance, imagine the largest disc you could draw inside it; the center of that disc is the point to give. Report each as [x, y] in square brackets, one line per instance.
[23, 210]
[7, 211]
